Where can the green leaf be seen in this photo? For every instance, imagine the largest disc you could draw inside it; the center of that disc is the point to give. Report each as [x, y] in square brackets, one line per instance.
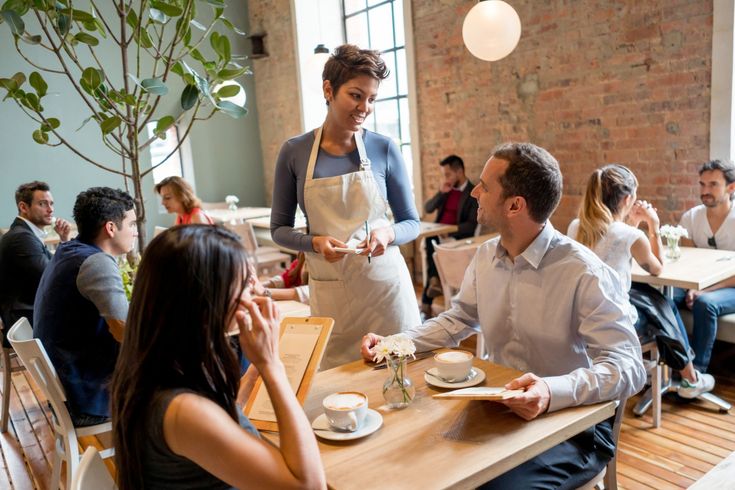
[197, 55]
[32, 102]
[166, 8]
[214, 40]
[158, 16]
[84, 123]
[110, 124]
[9, 84]
[231, 73]
[91, 78]
[85, 38]
[232, 27]
[154, 86]
[51, 123]
[132, 19]
[18, 6]
[189, 97]
[38, 83]
[40, 137]
[35, 39]
[143, 38]
[100, 28]
[228, 91]
[17, 27]
[77, 15]
[63, 23]
[19, 78]
[178, 69]
[216, 3]
[232, 110]
[163, 124]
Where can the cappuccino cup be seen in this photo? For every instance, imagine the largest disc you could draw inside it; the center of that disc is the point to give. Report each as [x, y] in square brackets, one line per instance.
[453, 365]
[345, 410]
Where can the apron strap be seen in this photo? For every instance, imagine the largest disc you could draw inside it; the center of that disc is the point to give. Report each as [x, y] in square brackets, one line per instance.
[364, 160]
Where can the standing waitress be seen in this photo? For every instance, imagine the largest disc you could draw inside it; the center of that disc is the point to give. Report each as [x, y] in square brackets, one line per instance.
[343, 176]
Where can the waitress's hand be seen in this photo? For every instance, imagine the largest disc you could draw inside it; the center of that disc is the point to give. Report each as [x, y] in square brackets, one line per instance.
[324, 245]
[380, 238]
[259, 331]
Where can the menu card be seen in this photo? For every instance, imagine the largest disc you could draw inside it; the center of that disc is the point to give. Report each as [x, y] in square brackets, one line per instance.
[480, 393]
[301, 347]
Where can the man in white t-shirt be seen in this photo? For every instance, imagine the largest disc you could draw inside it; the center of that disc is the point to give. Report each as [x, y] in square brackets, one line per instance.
[711, 225]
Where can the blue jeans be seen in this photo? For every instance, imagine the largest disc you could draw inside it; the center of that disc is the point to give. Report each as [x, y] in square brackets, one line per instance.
[705, 311]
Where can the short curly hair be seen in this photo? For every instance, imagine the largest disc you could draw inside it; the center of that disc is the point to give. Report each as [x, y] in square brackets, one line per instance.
[348, 61]
[98, 205]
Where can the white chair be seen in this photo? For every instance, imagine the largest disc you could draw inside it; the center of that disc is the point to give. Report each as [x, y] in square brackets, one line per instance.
[266, 258]
[92, 473]
[609, 474]
[214, 205]
[8, 355]
[452, 260]
[34, 357]
[158, 230]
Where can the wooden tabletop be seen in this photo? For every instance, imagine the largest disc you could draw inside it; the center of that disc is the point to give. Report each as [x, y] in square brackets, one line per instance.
[437, 443]
[697, 268]
[427, 229]
[240, 214]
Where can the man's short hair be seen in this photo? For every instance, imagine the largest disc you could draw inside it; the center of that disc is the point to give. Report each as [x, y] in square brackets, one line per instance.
[726, 167]
[24, 193]
[98, 205]
[532, 173]
[454, 162]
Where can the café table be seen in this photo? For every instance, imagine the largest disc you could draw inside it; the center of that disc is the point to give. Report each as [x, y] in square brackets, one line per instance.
[696, 268]
[436, 443]
[427, 229]
[239, 214]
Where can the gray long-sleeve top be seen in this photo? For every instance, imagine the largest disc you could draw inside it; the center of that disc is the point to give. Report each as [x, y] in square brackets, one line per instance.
[288, 186]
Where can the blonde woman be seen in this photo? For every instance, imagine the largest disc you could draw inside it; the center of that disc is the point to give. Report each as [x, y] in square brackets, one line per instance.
[608, 224]
[177, 196]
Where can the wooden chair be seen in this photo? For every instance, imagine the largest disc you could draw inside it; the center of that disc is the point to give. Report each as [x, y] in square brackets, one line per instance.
[452, 260]
[92, 473]
[608, 476]
[659, 379]
[266, 258]
[34, 357]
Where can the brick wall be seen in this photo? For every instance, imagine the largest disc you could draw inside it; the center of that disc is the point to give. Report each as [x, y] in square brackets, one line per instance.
[276, 81]
[593, 81]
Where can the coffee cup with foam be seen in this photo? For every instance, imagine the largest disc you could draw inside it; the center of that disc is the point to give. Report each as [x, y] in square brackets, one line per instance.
[453, 365]
[346, 410]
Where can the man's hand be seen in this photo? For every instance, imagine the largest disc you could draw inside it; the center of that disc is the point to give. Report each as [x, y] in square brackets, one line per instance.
[63, 229]
[533, 402]
[445, 187]
[691, 296]
[366, 347]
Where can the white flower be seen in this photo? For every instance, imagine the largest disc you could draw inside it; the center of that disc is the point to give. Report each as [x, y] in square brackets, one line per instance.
[231, 199]
[394, 345]
[673, 231]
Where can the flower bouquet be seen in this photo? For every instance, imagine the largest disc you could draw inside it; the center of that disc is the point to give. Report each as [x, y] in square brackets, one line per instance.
[231, 202]
[398, 389]
[672, 234]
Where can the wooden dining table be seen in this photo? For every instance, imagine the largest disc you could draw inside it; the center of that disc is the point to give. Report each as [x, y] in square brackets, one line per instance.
[427, 229]
[697, 268]
[239, 214]
[436, 443]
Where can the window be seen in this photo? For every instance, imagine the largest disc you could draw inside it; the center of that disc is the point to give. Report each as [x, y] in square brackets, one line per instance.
[379, 24]
[179, 163]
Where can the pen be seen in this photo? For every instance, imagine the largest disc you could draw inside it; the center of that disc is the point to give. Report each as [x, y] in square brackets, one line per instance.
[367, 238]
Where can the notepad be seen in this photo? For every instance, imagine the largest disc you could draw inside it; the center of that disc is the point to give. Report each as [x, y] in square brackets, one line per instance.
[348, 250]
[480, 393]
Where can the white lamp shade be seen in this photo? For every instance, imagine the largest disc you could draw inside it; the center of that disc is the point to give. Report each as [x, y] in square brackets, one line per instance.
[491, 30]
[239, 98]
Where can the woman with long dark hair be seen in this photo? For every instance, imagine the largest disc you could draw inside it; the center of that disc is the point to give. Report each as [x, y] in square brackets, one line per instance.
[176, 392]
[608, 224]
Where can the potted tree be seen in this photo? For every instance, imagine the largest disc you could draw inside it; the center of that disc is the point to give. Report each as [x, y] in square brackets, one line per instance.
[158, 41]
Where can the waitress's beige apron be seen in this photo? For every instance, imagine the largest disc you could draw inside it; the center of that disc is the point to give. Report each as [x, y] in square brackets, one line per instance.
[362, 297]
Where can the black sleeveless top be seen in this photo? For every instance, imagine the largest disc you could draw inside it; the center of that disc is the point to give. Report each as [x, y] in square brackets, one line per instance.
[162, 468]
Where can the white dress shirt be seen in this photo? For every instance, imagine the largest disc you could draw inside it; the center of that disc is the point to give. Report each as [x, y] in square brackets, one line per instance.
[40, 233]
[557, 311]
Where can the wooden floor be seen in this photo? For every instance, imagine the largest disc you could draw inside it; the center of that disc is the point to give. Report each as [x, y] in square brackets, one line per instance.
[691, 440]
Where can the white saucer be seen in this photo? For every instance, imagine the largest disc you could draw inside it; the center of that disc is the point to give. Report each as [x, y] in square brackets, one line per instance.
[373, 422]
[479, 377]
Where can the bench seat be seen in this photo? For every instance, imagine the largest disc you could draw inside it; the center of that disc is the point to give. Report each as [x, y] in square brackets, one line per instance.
[725, 325]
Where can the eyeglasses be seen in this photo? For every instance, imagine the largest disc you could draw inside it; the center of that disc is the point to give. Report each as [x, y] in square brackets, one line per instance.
[712, 242]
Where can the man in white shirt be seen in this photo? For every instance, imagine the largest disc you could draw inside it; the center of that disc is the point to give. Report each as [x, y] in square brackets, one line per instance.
[545, 305]
[710, 225]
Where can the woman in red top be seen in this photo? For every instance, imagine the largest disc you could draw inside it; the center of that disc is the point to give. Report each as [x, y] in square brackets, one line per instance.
[178, 197]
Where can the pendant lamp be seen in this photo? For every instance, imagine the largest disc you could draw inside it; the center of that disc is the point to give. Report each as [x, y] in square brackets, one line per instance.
[491, 30]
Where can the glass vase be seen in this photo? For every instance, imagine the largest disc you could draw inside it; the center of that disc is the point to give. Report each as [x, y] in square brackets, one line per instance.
[398, 389]
[673, 252]
[232, 206]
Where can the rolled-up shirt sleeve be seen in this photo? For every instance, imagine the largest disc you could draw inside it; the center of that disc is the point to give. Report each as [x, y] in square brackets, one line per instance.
[100, 282]
[612, 345]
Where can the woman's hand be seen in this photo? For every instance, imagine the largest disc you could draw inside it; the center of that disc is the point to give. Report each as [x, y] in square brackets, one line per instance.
[324, 245]
[644, 211]
[380, 238]
[259, 331]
